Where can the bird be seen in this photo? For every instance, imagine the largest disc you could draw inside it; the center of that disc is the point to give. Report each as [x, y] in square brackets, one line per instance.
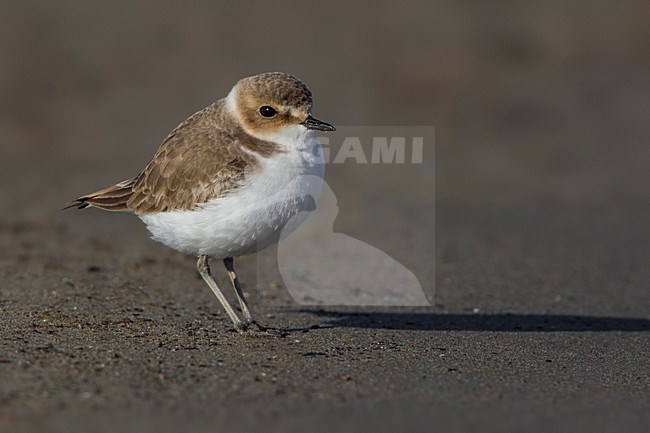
[226, 181]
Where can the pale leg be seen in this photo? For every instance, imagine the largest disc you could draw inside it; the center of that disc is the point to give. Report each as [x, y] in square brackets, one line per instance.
[248, 317]
[204, 269]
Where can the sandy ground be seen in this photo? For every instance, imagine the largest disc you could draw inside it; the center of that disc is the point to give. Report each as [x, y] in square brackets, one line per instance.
[539, 271]
[525, 334]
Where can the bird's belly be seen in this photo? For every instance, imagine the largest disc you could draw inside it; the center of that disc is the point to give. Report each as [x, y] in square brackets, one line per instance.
[246, 220]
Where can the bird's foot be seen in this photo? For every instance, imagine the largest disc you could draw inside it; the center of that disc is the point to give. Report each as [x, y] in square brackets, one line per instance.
[254, 329]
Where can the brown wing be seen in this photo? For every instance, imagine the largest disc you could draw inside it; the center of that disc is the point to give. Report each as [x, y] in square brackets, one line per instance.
[197, 162]
[192, 166]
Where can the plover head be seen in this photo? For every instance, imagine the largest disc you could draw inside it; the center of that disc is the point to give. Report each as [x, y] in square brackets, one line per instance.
[274, 104]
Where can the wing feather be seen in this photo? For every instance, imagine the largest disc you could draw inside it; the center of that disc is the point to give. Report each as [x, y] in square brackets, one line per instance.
[191, 167]
[200, 160]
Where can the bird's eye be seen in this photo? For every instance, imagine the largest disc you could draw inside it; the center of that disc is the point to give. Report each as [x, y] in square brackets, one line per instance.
[267, 111]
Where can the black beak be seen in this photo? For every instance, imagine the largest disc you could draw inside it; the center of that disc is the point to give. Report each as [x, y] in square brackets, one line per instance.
[312, 123]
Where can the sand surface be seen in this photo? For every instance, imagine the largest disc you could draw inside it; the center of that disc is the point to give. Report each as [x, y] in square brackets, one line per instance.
[540, 289]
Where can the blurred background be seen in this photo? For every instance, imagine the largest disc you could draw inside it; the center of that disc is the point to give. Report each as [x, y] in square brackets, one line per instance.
[547, 101]
[537, 189]
[540, 110]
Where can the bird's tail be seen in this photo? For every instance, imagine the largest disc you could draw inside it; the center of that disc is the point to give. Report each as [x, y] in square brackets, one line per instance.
[114, 198]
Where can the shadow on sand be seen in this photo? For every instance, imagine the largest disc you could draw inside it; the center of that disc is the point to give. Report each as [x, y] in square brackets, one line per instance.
[479, 322]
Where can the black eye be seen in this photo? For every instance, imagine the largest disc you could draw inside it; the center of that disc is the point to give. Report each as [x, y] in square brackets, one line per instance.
[267, 111]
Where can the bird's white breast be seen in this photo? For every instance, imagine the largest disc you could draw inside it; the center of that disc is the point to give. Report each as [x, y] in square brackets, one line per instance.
[250, 217]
